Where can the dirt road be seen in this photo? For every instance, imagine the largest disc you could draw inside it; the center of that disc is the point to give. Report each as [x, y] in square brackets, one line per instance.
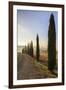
[26, 68]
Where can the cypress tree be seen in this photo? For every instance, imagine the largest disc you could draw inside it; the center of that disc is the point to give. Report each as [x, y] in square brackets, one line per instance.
[37, 48]
[28, 49]
[51, 44]
[25, 49]
[31, 48]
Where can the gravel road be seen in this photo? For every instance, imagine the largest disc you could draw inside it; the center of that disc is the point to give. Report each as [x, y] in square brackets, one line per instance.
[26, 68]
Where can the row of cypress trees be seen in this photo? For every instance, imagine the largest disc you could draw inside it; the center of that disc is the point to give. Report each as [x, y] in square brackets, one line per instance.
[51, 45]
[28, 49]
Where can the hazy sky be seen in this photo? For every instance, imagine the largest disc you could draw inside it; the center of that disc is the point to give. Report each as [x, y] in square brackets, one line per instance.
[30, 23]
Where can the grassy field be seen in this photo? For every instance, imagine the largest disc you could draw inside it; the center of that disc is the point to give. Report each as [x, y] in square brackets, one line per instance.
[43, 68]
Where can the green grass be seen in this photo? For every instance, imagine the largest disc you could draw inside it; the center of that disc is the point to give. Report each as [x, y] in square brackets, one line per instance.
[44, 70]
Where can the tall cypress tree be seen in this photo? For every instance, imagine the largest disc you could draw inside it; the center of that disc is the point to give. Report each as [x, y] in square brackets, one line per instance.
[37, 48]
[51, 44]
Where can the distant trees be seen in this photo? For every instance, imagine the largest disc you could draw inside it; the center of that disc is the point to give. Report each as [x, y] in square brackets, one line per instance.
[37, 48]
[23, 50]
[51, 44]
[28, 49]
[31, 49]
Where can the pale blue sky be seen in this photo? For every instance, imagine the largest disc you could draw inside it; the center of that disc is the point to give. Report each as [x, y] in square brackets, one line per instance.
[31, 22]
